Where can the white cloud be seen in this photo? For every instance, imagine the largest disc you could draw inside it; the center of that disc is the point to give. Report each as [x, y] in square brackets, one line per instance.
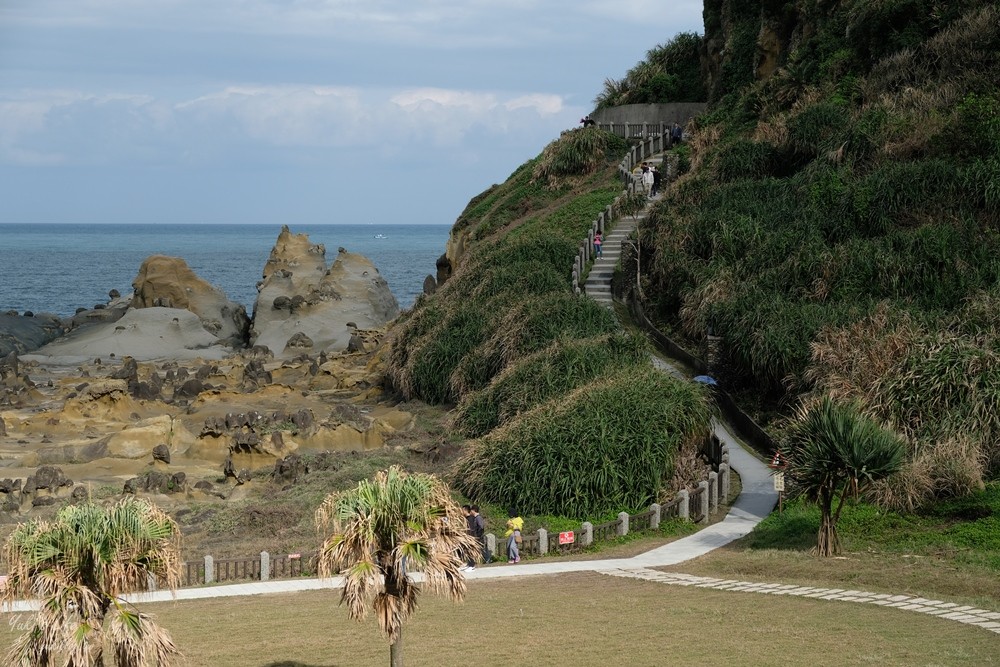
[39, 127]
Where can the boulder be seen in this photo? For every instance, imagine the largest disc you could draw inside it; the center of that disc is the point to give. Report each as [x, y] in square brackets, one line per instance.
[43, 501]
[289, 469]
[23, 334]
[169, 280]
[49, 477]
[161, 453]
[302, 304]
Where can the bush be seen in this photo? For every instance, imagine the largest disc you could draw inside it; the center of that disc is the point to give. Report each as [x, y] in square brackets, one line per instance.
[607, 446]
[549, 373]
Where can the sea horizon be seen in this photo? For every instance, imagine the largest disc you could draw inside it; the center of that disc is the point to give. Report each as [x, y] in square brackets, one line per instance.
[60, 267]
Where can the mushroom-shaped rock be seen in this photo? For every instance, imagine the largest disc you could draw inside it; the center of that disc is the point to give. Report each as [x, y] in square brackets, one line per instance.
[169, 281]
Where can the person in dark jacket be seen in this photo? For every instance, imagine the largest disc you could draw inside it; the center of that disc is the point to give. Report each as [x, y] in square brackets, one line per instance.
[656, 180]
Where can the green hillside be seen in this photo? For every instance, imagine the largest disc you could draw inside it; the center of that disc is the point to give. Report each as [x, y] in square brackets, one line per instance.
[565, 413]
[837, 224]
[840, 223]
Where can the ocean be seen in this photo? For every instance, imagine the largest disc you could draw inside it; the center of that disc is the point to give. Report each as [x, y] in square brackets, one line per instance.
[57, 268]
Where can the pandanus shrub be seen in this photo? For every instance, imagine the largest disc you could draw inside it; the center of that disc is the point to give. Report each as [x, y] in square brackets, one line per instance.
[835, 455]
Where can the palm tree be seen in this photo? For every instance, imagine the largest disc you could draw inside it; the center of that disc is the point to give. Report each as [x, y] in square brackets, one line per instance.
[837, 454]
[78, 566]
[384, 529]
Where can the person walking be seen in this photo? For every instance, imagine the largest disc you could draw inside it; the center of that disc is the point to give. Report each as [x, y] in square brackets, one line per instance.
[647, 180]
[513, 535]
[479, 531]
[470, 527]
[656, 180]
[598, 241]
[676, 135]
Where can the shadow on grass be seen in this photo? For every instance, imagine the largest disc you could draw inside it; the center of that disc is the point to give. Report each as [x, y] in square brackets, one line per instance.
[292, 663]
[795, 529]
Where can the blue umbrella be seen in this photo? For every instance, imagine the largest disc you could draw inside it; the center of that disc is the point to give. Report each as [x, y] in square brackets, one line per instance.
[705, 379]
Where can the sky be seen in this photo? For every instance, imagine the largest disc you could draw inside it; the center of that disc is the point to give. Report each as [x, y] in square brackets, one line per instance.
[296, 111]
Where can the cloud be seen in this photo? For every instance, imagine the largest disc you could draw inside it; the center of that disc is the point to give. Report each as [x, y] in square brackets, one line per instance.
[45, 127]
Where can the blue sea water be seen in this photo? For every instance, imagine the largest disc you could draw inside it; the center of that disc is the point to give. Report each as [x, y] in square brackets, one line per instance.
[57, 268]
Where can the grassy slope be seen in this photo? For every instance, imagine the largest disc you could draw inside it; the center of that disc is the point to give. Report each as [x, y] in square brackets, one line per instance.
[840, 225]
[507, 341]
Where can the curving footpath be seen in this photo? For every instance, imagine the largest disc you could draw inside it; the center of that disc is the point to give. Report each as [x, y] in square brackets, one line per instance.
[757, 499]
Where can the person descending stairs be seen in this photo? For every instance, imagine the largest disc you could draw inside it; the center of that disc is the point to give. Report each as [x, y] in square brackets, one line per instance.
[598, 283]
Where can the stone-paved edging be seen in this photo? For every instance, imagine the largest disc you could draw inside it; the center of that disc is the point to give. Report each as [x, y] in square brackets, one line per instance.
[983, 618]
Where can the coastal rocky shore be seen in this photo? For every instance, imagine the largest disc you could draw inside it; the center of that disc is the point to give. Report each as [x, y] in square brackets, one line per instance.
[176, 390]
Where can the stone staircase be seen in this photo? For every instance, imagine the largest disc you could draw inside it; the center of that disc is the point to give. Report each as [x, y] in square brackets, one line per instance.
[598, 283]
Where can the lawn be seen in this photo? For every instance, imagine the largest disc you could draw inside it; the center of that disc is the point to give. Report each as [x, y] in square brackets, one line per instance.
[578, 619]
[949, 551]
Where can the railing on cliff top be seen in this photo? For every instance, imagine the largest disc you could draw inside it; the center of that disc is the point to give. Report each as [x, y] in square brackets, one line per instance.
[655, 143]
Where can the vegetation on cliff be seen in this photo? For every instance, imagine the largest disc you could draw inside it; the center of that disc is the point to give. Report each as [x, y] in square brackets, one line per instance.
[671, 72]
[839, 225]
[508, 342]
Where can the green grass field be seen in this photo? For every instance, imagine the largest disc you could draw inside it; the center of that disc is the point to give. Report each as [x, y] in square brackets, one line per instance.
[579, 619]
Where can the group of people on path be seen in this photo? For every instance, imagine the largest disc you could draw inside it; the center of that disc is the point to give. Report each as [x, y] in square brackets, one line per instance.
[477, 528]
[650, 179]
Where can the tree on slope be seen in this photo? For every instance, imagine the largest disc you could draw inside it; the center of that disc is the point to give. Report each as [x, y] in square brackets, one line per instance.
[384, 529]
[837, 454]
[78, 566]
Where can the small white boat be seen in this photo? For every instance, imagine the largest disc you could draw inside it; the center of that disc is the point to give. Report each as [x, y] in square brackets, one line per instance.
[380, 236]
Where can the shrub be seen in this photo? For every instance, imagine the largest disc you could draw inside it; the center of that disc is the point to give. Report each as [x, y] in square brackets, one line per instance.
[607, 446]
[549, 373]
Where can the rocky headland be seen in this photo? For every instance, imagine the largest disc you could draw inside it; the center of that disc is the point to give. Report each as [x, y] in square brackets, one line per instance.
[175, 391]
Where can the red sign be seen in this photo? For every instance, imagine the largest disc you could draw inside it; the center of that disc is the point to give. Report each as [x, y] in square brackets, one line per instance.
[567, 537]
[778, 461]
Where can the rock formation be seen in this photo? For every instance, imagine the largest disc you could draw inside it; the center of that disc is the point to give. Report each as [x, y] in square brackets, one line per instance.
[20, 333]
[144, 333]
[302, 306]
[170, 283]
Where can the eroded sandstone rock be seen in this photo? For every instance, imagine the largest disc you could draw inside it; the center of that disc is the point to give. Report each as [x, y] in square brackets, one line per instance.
[302, 304]
[168, 281]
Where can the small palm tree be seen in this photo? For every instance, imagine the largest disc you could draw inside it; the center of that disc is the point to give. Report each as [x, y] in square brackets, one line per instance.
[78, 566]
[837, 454]
[384, 529]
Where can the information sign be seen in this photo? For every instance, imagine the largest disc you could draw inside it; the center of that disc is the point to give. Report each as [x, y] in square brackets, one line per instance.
[779, 481]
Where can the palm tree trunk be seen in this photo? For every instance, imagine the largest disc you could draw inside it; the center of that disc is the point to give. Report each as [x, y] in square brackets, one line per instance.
[827, 542]
[396, 651]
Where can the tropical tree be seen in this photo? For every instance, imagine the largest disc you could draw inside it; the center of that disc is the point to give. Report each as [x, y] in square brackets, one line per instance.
[78, 566]
[837, 453]
[382, 531]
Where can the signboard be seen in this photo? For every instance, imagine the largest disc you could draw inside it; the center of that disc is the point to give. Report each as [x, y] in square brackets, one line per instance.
[779, 481]
[567, 537]
[778, 461]
[294, 556]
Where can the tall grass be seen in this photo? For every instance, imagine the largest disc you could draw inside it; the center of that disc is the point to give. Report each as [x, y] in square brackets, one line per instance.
[549, 373]
[608, 445]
